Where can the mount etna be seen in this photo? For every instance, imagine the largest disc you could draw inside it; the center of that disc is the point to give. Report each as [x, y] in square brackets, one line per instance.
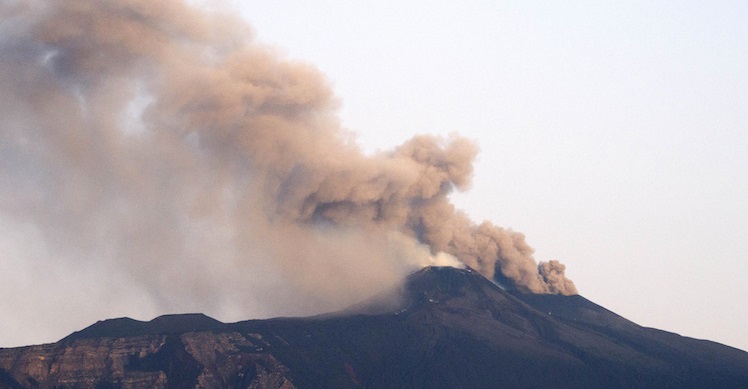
[451, 328]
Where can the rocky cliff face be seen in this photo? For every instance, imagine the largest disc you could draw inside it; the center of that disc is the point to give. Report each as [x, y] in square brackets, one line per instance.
[86, 362]
[453, 329]
[193, 359]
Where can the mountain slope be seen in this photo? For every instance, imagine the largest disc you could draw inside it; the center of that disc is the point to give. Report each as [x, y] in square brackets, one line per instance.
[451, 329]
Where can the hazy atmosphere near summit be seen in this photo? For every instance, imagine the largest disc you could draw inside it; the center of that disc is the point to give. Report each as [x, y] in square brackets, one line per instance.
[252, 158]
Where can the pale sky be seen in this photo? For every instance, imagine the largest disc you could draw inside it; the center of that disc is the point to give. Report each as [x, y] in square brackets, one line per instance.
[613, 134]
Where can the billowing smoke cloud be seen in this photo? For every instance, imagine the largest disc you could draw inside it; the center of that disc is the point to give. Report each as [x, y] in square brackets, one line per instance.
[160, 144]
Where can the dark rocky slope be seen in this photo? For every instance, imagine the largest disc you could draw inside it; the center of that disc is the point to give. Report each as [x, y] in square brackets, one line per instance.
[453, 329]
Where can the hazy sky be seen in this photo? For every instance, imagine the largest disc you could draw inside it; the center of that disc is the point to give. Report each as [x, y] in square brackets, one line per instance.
[613, 134]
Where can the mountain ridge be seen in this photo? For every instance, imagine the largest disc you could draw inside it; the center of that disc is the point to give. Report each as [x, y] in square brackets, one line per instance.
[451, 328]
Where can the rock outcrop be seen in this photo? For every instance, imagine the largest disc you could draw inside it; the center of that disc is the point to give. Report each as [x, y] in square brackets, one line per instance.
[202, 359]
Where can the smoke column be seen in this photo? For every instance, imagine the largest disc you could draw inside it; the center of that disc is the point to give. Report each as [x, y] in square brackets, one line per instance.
[156, 143]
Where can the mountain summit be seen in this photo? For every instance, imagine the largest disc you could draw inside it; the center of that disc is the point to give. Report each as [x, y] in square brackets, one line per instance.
[452, 328]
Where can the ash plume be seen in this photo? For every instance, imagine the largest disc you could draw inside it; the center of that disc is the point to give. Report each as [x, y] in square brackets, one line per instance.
[159, 143]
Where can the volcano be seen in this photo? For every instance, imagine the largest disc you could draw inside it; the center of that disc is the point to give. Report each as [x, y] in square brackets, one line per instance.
[451, 328]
